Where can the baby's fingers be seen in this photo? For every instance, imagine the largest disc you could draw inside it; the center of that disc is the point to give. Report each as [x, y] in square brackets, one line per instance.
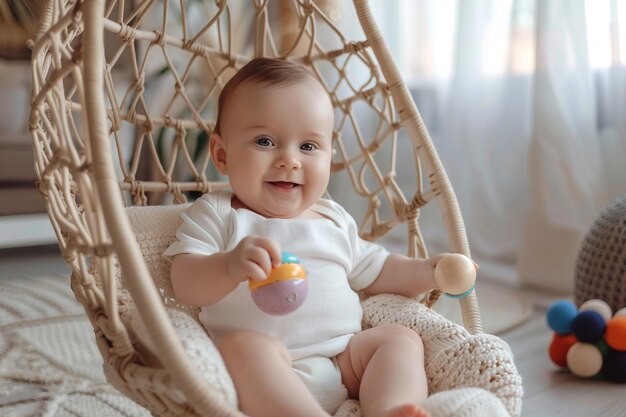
[254, 272]
[434, 260]
[261, 257]
[273, 249]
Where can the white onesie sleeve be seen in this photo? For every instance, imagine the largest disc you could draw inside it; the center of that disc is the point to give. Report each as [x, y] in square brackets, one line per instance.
[204, 229]
[367, 257]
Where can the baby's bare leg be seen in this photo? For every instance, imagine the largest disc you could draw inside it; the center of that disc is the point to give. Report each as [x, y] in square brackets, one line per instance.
[384, 368]
[260, 367]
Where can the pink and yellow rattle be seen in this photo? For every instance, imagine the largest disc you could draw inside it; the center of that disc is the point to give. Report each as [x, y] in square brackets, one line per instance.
[455, 274]
[284, 290]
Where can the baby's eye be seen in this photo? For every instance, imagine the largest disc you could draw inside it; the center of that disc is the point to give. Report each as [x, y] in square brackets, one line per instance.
[264, 141]
[308, 147]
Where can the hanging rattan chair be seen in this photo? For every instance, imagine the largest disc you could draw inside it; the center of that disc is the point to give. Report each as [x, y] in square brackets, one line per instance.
[123, 103]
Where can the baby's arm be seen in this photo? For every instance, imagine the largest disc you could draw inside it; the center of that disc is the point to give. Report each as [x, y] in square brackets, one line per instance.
[201, 280]
[405, 276]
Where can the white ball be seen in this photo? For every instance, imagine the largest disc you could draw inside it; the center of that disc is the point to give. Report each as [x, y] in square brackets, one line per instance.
[584, 359]
[620, 312]
[599, 306]
[455, 273]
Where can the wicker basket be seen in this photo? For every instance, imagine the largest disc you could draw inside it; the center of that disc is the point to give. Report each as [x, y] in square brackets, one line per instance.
[601, 261]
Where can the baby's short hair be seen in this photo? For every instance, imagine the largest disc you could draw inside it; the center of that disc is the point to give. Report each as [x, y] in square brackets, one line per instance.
[267, 71]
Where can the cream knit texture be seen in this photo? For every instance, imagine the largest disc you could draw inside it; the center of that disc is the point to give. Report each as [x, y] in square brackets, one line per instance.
[453, 357]
[465, 372]
[462, 402]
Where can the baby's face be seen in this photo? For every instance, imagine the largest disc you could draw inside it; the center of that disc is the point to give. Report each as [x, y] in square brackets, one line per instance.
[275, 146]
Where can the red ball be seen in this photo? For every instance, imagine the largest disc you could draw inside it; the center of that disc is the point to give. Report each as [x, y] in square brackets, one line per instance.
[615, 335]
[559, 347]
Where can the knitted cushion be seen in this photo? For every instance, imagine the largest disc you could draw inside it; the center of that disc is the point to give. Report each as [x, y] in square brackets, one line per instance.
[154, 228]
[454, 358]
[200, 349]
[601, 262]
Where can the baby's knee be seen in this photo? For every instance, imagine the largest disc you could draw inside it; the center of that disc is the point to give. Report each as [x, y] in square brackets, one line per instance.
[395, 333]
[249, 343]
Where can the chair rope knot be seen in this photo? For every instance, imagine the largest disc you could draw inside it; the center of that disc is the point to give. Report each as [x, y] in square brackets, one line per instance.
[116, 333]
[139, 83]
[174, 189]
[356, 46]
[417, 202]
[307, 8]
[137, 191]
[194, 47]
[126, 33]
[412, 223]
[203, 184]
[159, 38]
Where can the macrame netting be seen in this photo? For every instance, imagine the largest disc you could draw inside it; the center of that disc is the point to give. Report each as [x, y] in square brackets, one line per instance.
[123, 105]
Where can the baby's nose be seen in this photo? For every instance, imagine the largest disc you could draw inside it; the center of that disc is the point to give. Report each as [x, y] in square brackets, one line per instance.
[288, 160]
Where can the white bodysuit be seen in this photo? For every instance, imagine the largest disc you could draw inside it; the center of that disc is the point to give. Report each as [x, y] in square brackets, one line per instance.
[337, 261]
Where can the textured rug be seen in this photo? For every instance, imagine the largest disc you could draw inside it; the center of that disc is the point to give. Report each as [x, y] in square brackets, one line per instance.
[49, 363]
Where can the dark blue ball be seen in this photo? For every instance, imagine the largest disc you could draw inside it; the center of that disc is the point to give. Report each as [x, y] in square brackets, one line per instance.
[614, 366]
[588, 326]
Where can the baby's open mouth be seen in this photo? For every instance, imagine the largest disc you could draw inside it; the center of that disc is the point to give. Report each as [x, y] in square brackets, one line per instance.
[284, 184]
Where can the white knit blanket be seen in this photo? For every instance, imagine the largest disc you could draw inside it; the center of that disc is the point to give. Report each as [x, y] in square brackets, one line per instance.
[50, 365]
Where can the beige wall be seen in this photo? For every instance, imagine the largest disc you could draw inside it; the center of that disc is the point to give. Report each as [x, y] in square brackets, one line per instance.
[17, 173]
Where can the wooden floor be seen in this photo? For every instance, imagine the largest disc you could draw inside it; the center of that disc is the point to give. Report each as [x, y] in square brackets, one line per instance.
[548, 392]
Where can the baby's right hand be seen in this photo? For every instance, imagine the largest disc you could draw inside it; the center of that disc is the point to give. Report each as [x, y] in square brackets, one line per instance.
[253, 258]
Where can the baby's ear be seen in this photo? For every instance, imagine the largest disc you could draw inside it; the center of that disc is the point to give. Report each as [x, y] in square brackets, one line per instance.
[218, 153]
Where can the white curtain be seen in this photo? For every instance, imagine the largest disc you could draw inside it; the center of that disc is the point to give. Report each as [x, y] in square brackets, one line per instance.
[525, 100]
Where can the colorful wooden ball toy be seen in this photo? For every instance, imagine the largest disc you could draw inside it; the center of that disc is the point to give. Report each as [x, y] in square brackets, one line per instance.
[455, 274]
[284, 290]
[588, 341]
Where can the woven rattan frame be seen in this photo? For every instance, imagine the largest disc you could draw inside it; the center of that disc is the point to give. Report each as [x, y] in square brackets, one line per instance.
[77, 124]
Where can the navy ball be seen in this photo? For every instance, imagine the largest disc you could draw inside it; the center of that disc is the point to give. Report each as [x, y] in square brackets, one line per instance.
[614, 366]
[588, 326]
